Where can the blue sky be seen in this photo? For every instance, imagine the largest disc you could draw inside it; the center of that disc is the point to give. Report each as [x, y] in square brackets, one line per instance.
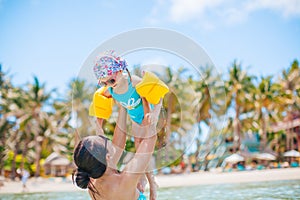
[52, 39]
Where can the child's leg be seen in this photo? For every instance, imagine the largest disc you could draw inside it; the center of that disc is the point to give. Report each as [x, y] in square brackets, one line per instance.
[149, 175]
[152, 185]
[142, 182]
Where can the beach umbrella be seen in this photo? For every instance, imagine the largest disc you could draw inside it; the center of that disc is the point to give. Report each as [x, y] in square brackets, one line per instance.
[234, 158]
[265, 156]
[292, 153]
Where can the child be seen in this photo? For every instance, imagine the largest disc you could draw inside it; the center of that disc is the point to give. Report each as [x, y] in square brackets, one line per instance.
[134, 94]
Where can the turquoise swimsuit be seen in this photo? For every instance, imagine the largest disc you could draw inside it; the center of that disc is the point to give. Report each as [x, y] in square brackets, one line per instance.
[132, 101]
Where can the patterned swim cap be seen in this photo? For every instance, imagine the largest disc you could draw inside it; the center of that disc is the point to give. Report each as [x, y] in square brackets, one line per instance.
[107, 64]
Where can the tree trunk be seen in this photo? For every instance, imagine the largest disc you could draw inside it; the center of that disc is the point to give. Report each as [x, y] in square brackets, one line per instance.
[237, 127]
[13, 164]
[24, 152]
[2, 149]
[16, 150]
[3, 139]
[77, 137]
[38, 149]
[168, 127]
[298, 141]
[264, 132]
[293, 135]
[198, 147]
[288, 140]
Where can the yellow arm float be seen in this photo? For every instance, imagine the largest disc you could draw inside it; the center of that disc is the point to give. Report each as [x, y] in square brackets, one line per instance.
[152, 88]
[101, 106]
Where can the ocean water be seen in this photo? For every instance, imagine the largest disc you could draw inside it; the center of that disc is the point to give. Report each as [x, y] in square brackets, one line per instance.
[244, 191]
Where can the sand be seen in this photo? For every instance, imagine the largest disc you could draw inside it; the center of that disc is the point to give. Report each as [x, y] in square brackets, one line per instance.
[208, 178]
[176, 180]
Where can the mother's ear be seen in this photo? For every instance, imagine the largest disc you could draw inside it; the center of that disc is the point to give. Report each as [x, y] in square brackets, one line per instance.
[109, 161]
[108, 157]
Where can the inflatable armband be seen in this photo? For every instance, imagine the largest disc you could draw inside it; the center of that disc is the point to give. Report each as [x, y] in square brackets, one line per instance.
[101, 106]
[152, 88]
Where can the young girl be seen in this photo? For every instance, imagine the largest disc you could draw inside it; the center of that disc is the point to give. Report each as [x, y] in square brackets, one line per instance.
[142, 98]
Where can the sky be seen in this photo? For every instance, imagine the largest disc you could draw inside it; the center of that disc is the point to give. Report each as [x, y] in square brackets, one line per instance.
[52, 39]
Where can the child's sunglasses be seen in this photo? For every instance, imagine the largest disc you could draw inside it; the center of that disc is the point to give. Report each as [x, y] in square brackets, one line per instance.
[108, 82]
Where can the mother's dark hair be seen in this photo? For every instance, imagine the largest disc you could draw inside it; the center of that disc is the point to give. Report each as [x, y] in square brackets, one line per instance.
[90, 159]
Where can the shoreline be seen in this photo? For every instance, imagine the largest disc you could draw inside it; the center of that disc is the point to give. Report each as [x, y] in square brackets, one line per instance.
[215, 178]
[36, 185]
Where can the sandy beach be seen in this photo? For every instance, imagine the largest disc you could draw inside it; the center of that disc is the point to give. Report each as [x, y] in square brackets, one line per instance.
[176, 180]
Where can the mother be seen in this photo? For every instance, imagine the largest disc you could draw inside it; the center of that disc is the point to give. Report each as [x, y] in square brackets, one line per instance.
[96, 159]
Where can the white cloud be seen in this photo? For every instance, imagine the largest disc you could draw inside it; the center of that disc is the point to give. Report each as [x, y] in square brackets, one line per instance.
[181, 11]
[285, 8]
[233, 15]
[156, 15]
[208, 13]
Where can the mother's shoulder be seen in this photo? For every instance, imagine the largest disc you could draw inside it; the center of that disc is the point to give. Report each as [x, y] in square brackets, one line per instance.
[129, 177]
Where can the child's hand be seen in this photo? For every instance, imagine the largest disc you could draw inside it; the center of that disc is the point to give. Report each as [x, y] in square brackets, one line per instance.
[142, 184]
[151, 118]
[141, 187]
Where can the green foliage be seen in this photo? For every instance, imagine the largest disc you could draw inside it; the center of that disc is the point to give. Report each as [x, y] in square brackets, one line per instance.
[27, 127]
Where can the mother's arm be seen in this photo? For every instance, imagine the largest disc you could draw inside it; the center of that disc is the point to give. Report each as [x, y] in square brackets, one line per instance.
[138, 165]
[119, 137]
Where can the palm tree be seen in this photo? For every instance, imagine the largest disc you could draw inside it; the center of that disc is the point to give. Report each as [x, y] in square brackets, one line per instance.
[80, 96]
[36, 99]
[211, 106]
[5, 124]
[265, 100]
[58, 128]
[9, 103]
[290, 82]
[41, 124]
[238, 89]
[180, 114]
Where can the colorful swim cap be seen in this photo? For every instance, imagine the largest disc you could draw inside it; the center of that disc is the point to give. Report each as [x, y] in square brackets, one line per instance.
[107, 64]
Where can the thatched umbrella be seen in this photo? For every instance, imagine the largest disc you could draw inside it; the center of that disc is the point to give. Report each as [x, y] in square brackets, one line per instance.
[265, 156]
[234, 158]
[292, 153]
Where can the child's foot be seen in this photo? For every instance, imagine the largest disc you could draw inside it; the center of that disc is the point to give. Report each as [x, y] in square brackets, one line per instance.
[141, 184]
[141, 187]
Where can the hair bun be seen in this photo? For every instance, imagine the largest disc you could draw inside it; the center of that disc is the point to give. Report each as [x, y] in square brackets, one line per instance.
[82, 179]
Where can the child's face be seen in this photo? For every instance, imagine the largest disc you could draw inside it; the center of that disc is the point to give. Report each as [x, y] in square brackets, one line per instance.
[110, 81]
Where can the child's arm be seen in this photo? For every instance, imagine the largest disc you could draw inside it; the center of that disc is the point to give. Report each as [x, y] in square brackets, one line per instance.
[152, 116]
[100, 125]
[152, 88]
[101, 107]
